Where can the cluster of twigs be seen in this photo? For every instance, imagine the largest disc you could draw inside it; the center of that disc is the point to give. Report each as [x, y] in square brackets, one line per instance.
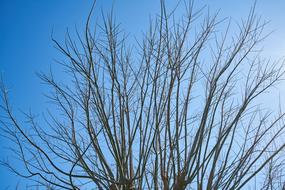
[176, 112]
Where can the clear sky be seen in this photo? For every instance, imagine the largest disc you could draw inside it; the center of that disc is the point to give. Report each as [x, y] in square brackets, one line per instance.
[26, 46]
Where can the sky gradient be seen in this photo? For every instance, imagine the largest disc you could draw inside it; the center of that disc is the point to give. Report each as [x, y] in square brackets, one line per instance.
[26, 46]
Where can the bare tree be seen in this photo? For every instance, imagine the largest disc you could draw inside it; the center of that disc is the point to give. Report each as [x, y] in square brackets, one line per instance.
[177, 110]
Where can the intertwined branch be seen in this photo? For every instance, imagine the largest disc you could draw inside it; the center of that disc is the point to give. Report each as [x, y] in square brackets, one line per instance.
[174, 111]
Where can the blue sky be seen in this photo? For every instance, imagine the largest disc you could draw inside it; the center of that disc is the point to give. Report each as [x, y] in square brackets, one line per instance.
[26, 46]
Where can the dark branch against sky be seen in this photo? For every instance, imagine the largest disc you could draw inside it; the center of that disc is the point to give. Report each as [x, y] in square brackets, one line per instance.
[26, 46]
